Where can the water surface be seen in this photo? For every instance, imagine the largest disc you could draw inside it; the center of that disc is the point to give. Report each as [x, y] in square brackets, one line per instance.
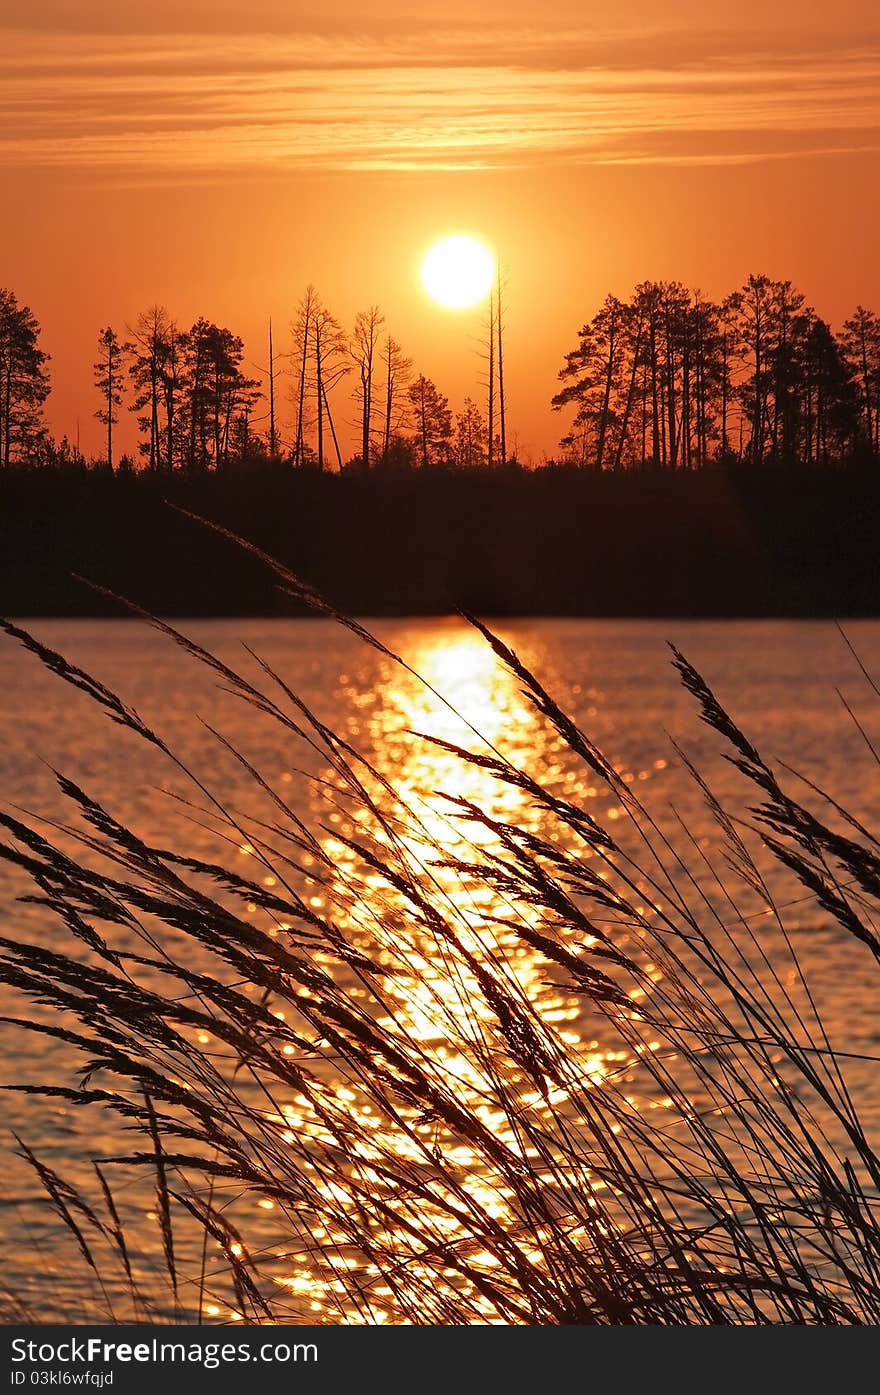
[779, 679]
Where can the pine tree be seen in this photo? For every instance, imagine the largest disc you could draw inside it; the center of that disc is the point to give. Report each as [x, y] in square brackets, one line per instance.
[24, 380]
[471, 442]
[398, 371]
[147, 369]
[431, 422]
[109, 368]
[860, 342]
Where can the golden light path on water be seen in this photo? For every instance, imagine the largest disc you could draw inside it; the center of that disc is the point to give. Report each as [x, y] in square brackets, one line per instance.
[468, 698]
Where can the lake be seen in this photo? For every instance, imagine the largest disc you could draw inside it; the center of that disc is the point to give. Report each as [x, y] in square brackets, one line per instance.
[780, 680]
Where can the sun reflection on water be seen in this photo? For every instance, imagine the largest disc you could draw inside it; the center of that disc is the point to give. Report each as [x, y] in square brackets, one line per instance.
[468, 699]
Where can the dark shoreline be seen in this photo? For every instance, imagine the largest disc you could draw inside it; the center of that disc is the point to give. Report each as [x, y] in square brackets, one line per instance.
[550, 542]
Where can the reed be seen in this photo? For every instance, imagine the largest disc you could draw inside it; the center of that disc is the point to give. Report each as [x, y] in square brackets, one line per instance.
[363, 1110]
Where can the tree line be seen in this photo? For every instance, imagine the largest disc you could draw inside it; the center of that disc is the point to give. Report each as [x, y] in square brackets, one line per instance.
[672, 380]
[199, 408]
[666, 380]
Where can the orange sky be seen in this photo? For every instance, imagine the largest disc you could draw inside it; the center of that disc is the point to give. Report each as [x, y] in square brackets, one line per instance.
[217, 156]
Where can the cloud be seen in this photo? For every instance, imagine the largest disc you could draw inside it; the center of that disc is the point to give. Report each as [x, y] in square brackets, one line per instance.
[460, 98]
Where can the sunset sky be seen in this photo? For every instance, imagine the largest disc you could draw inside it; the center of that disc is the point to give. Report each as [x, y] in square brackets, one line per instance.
[216, 155]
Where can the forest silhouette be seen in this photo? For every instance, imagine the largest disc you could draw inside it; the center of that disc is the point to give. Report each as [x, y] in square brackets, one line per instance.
[715, 458]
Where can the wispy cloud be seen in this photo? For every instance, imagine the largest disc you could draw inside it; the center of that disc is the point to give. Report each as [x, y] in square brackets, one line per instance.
[455, 99]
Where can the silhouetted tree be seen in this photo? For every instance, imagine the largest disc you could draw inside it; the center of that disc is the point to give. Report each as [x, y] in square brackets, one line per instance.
[668, 379]
[400, 454]
[792, 323]
[214, 390]
[705, 379]
[861, 348]
[365, 353]
[492, 354]
[591, 374]
[728, 317]
[171, 380]
[662, 380]
[24, 380]
[331, 363]
[109, 369]
[649, 308]
[633, 327]
[321, 359]
[398, 371]
[301, 330]
[502, 401]
[469, 448]
[432, 421]
[149, 355]
[246, 445]
[65, 455]
[273, 434]
[826, 409]
[757, 329]
[490, 404]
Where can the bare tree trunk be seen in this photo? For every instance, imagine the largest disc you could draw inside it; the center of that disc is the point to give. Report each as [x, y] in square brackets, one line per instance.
[624, 425]
[154, 407]
[389, 405]
[501, 409]
[227, 418]
[366, 409]
[606, 397]
[217, 393]
[320, 394]
[169, 392]
[273, 441]
[670, 394]
[866, 383]
[194, 406]
[110, 408]
[332, 429]
[491, 403]
[655, 404]
[724, 391]
[684, 425]
[169, 427]
[7, 420]
[298, 447]
[758, 426]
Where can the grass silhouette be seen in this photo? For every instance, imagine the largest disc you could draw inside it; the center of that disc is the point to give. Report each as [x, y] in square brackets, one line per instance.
[380, 1073]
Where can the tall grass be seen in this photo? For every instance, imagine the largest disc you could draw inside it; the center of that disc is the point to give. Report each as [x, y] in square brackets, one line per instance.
[367, 1106]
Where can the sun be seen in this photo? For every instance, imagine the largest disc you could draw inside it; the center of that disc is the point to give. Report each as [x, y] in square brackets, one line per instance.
[458, 272]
